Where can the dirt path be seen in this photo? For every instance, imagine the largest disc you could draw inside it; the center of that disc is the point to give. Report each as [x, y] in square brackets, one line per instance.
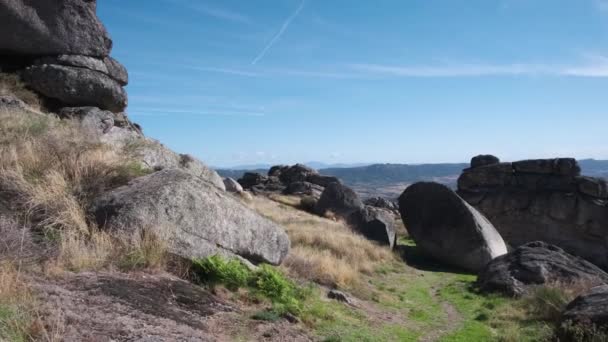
[453, 318]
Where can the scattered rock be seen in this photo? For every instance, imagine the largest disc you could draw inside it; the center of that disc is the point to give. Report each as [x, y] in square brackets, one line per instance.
[542, 200]
[76, 86]
[251, 179]
[339, 296]
[375, 224]
[321, 180]
[232, 185]
[447, 228]
[383, 203]
[339, 199]
[11, 103]
[304, 188]
[198, 219]
[483, 160]
[536, 263]
[52, 27]
[590, 312]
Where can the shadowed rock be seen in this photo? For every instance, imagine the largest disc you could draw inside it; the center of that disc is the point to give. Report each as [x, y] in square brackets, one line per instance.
[52, 27]
[542, 200]
[536, 263]
[447, 228]
[589, 312]
[232, 185]
[339, 199]
[196, 218]
[483, 160]
[375, 224]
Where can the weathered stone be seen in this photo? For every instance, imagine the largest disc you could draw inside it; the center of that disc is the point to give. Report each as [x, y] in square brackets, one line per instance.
[447, 228]
[339, 199]
[197, 219]
[594, 187]
[304, 188]
[108, 65]
[12, 103]
[339, 296]
[375, 224]
[383, 203]
[296, 173]
[484, 177]
[536, 263]
[52, 27]
[76, 86]
[321, 180]
[276, 170]
[155, 156]
[483, 160]
[116, 70]
[558, 166]
[251, 179]
[232, 185]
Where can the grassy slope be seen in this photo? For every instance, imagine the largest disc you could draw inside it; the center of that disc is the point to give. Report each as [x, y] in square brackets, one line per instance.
[408, 298]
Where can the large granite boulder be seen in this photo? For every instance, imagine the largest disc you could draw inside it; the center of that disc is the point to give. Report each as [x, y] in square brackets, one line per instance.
[76, 86]
[447, 228]
[304, 188]
[52, 27]
[321, 180]
[295, 173]
[536, 263]
[196, 218]
[339, 199]
[375, 224]
[107, 66]
[251, 179]
[542, 200]
[156, 156]
[586, 317]
[383, 203]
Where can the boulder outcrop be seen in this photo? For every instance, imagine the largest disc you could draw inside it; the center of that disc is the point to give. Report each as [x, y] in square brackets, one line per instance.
[52, 27]
[542, 200]
[232, 185]
[383, 203]
[198, 219]
[483, 160]
[537, 263]
[339, 199]
[447, 228]
[375, 224]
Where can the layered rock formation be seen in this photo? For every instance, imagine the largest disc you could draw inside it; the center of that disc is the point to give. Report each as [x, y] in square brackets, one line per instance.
[62, 51]
[542, 200]
[447, 228]
[537, 263]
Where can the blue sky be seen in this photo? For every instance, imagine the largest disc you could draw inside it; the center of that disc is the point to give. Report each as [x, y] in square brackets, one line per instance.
[404, 81]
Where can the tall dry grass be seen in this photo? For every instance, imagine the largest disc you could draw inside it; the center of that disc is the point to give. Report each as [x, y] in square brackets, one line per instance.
[10, 84]
[323, 250]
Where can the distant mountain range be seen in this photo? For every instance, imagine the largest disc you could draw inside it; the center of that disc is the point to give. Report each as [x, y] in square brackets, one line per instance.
[389, 180]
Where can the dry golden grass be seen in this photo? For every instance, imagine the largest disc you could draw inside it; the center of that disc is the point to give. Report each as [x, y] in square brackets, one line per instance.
[12, 85]
[323, 250]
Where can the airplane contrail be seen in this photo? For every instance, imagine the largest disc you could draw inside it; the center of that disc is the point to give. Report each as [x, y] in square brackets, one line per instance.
[280, 33]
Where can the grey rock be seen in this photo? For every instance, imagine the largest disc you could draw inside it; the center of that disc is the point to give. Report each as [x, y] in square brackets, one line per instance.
[108, 65]
[303, 188]
[558, 166]
[536, 263]
[383, 203]
[447, 228]
[484, 177]
[588, 311]
[232, 185]
[594, 187]
[251, 179]
[76, 86]
[92, 119]
[52, 27]
[12, 103]
[195, 217]
[296, 173]
[276, 170]
[483, 160]
[339, 199]
[116, 70]
[375, 224]
[156, 156]
[321, 180]
[544, 200]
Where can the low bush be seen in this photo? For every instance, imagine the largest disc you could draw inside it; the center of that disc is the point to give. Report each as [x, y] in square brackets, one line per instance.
[266, 282]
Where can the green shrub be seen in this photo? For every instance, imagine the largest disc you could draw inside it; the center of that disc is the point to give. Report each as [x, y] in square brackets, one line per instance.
[216, 270]
[581, 332]
[283, 293]
[266, 315]
[547, 302]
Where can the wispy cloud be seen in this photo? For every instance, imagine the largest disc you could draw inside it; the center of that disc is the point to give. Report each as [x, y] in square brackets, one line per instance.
[214, 11]
[602, 5]
[278, 35]
[229, 71]
[595, 67]
[168, 111]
